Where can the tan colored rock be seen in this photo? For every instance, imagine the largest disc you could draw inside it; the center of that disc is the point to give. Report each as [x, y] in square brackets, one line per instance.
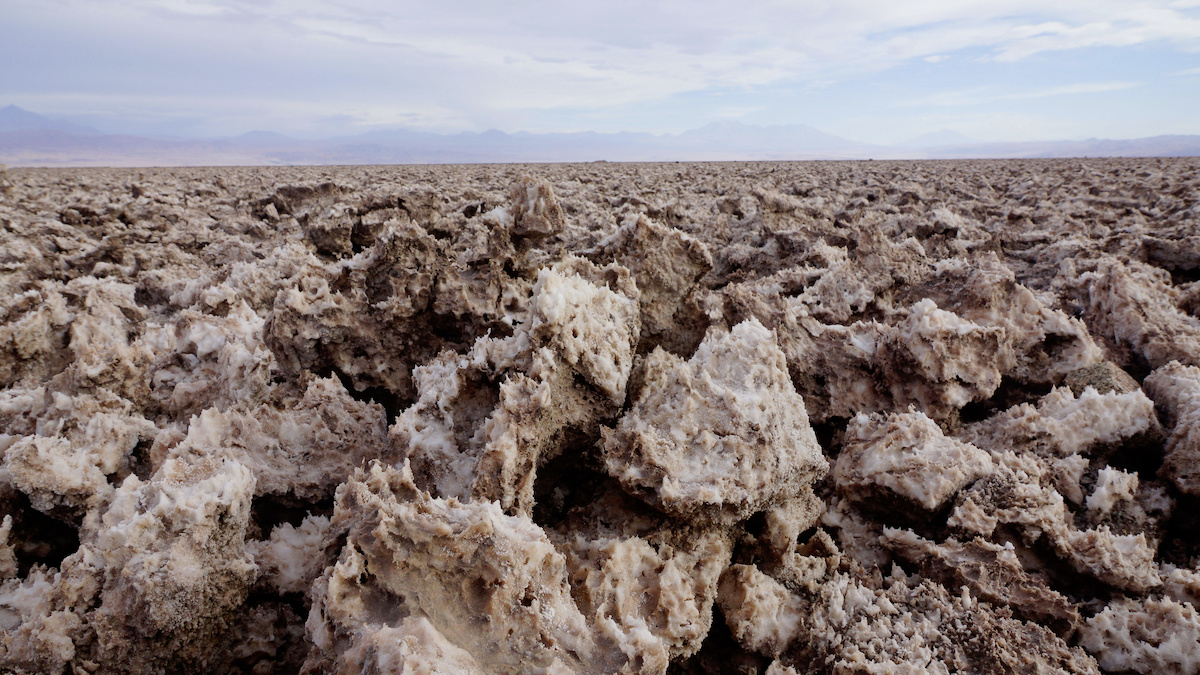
[1181, 585]
[633, 567]
[193, 361]
[1019, 493]
[858, 535]
[851, 623]
[1105, 377]
[992, 573]
[485, 421]
[372, 334]
[717, 437]
[490, 584]
[414, 646]
[293, 557]
[903, 459]
[663, 587]
[1150, 636]
[535, 211]
[592, 328]
[36, 325]
[159, 575]
[330, 230]
[949, 349]
[267, 634]
[307, 449]
[762, 614]
[666, 264]
[1124, 561]
[64, 463]
[1175, 388]
[928, 358]
[786, 521]
[1063, 425]
[39, 627]
[209, 361]
[1112, 487]
[1043, 343]
[857, 340]
[8, 553]
[1133, 306]
[177, 565]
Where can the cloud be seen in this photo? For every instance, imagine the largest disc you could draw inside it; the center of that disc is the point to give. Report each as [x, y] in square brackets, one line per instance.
[473, 63]
[987, 94]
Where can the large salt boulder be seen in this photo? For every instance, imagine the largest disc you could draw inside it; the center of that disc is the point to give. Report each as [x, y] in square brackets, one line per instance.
[902, 459]
[1176, 389]
[720, 436]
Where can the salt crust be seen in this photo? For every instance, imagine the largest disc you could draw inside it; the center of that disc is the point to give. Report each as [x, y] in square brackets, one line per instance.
[493, 591]
[1152, 636]
[8, 554]
[1134, 306]
[1020, 494]
[991, 572]
[157, 577]
[940, 352]
[1176, 389]
[905, 456]
[1064, 425]
[848, 621]
[306, 450]
[186, 362]
[666, 264]
[486, 420]
[1112, 486]
[593, 329]
[719, 436]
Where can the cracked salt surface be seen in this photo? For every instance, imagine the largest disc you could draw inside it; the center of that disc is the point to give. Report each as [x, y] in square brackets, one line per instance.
[688, 418]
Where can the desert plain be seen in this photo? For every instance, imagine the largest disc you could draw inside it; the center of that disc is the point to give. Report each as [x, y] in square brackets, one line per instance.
[818, 417]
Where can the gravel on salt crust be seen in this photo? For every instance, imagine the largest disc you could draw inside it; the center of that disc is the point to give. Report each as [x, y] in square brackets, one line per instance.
[913, 417]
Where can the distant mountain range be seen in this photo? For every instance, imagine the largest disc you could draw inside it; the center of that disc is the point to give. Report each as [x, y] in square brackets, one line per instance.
[13, 118]
[29, 139]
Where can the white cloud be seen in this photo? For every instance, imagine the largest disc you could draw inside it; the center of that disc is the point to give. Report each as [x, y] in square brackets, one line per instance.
[988, 94]
[471, 63]
[675, 46]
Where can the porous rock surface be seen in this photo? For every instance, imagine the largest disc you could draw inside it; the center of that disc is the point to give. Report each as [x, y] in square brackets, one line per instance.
[866, 417]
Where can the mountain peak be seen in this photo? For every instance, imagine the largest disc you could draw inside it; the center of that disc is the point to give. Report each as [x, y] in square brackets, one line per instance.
[14, 118]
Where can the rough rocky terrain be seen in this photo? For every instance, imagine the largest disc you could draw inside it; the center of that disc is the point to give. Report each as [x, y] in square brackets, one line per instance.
[866, 417]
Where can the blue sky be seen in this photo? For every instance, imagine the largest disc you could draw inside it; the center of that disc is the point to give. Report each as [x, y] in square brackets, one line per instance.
[877, 71]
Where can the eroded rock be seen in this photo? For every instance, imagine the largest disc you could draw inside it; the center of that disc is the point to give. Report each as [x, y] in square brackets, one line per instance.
[1176, 389]
[904, 460]
[466, 419]
[719, 436]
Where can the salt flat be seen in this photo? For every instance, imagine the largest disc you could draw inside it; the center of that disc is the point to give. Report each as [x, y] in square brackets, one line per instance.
[679, 417]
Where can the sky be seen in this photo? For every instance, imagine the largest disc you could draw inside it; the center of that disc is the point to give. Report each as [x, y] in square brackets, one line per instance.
[875, 71]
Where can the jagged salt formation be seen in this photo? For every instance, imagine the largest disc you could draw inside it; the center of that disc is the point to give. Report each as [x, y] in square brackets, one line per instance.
[1176, 389]
[720, 436]
[784, 418]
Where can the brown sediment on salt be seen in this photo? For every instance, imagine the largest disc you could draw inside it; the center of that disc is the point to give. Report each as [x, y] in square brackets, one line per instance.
[1176, 389]
[686, 418]
[718, 437]
[903, 461]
